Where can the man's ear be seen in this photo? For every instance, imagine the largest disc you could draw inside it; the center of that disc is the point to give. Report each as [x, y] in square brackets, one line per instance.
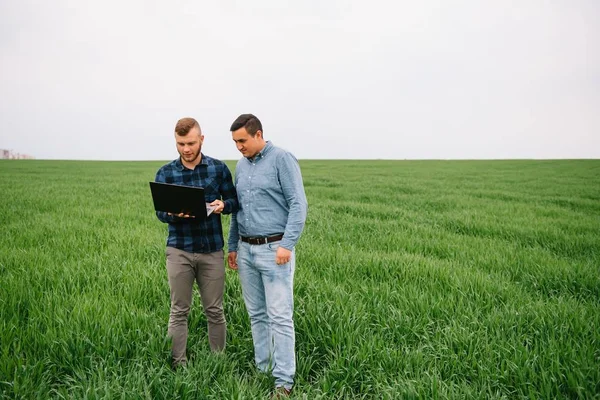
[259, 134]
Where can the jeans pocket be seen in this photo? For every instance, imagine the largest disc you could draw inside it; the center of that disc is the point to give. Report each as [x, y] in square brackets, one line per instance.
[273, 246]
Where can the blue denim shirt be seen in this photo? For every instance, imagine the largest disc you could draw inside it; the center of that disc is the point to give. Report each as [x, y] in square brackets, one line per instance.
[271, 198]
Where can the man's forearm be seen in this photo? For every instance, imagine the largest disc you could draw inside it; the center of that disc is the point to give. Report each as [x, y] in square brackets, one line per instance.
[232, 242]
[231, 205]
[166, 218]
[294, 226]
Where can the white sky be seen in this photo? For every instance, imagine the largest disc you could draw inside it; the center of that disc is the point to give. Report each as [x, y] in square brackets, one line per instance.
[108, 79]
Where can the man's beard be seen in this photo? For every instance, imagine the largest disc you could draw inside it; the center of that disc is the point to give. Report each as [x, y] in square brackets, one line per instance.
[192, 157]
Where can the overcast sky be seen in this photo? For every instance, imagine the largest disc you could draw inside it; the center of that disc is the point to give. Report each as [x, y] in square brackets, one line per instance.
[108, 79]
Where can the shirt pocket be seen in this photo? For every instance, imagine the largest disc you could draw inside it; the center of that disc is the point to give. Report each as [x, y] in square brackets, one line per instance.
[266, 181]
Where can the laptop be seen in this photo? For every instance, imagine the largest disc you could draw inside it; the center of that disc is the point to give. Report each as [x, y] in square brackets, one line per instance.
[180, 199]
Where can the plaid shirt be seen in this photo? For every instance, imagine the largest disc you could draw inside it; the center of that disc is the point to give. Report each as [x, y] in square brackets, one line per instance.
[214, 176]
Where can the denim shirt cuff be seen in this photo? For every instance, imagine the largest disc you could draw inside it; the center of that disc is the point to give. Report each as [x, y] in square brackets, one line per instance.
[287, 244]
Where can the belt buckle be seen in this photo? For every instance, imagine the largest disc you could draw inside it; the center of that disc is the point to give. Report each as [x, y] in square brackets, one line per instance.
[266, 239]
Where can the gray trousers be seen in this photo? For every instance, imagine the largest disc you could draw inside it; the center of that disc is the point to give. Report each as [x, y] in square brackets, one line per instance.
[208, 270]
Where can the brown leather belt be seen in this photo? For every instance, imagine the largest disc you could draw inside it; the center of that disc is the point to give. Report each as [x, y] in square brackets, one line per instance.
[261, 240]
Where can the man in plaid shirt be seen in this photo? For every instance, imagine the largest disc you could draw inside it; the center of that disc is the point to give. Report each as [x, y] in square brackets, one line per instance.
[195, 247]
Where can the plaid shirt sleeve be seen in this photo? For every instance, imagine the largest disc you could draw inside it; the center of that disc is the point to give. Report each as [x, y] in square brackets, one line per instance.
[162, 215]
[228, 193]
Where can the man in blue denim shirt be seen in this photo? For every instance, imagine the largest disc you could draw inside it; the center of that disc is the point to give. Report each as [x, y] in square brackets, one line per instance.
[262, 237]
[195, 247]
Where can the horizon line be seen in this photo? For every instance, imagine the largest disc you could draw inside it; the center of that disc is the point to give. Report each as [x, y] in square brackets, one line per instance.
[320, 159]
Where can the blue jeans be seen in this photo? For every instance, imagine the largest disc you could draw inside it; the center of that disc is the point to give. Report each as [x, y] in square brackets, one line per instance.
[269, 296]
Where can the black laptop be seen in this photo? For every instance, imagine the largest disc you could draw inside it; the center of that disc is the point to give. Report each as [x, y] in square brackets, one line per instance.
[180, 199]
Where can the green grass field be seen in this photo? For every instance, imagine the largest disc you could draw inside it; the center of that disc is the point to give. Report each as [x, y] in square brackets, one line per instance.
[414, 279]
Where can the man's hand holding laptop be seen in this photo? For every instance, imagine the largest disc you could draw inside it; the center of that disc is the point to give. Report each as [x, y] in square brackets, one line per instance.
[181, 215]
[217, 207]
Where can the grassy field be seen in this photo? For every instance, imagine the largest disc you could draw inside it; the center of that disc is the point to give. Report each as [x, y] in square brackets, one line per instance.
[414, 279]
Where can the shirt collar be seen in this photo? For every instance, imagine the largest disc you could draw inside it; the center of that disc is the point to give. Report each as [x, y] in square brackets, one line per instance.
[265, 150]
[179, 165]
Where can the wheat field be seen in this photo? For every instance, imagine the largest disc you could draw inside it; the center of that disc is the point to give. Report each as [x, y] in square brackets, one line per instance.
[414, 279]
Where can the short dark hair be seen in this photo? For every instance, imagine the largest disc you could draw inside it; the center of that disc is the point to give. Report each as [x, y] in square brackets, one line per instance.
[185, 125]
[248, 121]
